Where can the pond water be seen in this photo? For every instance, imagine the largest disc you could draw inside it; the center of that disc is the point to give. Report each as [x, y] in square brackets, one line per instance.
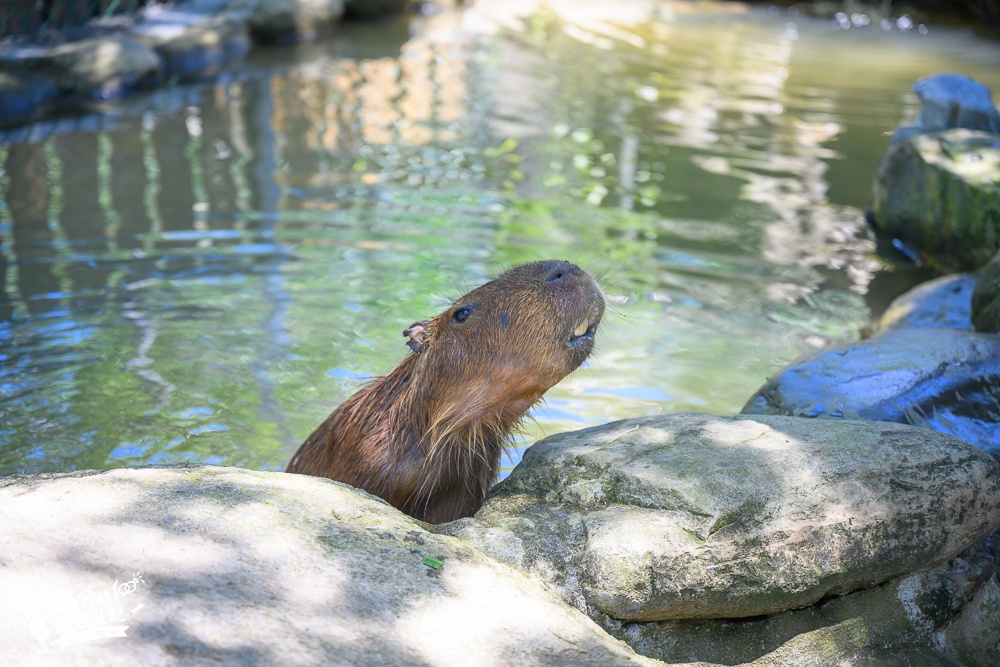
[202, 274]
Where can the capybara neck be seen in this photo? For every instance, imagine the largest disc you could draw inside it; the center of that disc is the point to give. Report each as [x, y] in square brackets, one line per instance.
[428, 436]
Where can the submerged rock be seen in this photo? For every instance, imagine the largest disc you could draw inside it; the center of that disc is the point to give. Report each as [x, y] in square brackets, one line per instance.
[699, 517]
[941, 380]
[985, 301]
[212, 566]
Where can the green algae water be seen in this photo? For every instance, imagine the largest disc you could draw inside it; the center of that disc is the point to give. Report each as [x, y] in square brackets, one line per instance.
[202, 274]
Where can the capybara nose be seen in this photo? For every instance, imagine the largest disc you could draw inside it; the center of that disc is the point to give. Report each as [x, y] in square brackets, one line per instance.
[560, 273]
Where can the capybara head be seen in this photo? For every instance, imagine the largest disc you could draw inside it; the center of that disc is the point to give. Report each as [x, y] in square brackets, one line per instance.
[496, 350]
[428, 436]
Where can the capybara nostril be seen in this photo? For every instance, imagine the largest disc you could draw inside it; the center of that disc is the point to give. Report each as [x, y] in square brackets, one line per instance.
[557, 275]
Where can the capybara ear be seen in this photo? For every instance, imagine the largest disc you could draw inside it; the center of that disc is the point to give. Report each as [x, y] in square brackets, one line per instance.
[419, 334]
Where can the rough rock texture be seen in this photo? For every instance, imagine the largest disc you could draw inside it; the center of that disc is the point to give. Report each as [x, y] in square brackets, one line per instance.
[694, 516]
[985, 301]
[942, 303]
[221, 566]
[907, 616]
[289, 20]
[941, 380]
[939, 195]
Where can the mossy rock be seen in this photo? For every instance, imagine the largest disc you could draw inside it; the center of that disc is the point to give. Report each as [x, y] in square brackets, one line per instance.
[939, 195]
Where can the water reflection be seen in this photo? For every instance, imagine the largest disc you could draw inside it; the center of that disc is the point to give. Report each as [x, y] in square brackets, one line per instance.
[203, 275]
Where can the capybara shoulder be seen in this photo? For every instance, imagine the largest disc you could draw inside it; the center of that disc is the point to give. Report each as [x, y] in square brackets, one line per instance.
[428, 436]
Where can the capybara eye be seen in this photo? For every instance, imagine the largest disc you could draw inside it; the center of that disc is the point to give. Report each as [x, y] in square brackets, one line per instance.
[461, 314]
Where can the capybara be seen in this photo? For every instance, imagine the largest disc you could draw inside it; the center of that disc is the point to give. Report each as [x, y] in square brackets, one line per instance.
[428, 436]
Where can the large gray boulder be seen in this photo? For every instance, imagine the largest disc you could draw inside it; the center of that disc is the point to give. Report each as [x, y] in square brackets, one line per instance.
[221, 566]
[700, 517]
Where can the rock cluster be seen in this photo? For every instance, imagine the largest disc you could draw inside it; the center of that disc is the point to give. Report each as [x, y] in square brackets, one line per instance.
[937, 192]
[690, 538]
[936, 360]
[186, 39]
[695, 537]
[935, 357]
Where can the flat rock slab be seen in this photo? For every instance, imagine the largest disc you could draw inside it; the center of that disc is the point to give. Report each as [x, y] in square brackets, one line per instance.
[222, 566]
[693, 516]
[937, 379]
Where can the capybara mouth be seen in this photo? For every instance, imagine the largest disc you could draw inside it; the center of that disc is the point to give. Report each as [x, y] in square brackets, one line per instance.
[584, 332]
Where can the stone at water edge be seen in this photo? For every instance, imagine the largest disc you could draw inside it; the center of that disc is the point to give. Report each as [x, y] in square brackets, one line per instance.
[103, 68]
[192, 43]
[953, 100]
[939, 195]
[228, 566]
[942, 303]
[941, 380]
[695, 516]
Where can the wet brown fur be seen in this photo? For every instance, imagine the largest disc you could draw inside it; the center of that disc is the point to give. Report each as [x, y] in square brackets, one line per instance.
[428, 436]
